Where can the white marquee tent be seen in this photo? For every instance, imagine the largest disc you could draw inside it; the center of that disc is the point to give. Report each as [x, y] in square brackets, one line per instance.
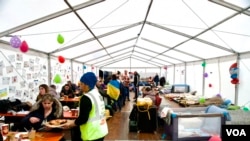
[141, 35]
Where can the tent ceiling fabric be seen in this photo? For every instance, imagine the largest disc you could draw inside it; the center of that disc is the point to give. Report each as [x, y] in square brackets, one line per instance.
[152, 33]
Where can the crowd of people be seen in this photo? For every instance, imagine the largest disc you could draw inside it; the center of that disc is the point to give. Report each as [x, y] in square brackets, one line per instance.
[95, 96]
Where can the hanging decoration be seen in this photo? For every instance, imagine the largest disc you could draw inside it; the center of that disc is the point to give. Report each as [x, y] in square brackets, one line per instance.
[204, 64]
[210, 85]
[24, 47]
[218, 95]
[15, 42]
[182, 72]
[57, 79]
[202, 100]
[84, 67]
[61, 59]
[233, 70]
[60, 39]
[92, 67]
[165, 67]
[205, 74]
[215, 138]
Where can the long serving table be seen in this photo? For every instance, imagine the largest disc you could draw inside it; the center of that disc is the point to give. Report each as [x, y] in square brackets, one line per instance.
[75, 99]
[70, 102]
[43, 136]
[40, 136]
[13, 118]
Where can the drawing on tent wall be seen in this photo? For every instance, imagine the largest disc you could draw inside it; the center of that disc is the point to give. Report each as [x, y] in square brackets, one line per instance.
[3, 92]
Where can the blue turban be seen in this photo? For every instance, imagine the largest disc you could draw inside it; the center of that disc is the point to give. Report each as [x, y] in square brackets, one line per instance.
[89, 79]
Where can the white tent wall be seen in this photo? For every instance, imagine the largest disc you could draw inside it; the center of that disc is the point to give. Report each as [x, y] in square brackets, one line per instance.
[225, 87]
[21, 74]
[219, 79]
[179, 74]
[32, 67]
[63, 70]
[78, 69]
[68, 71]
[194, 74]
[244, 77]
[170, 74]
[188, 73]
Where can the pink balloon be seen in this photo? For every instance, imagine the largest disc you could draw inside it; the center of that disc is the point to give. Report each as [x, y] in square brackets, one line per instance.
[24, 47]
[215, 138]
[15, 42]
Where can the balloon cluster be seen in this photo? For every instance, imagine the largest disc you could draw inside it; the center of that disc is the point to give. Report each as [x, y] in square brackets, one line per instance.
[16, 42]
[205, 75]
[233, 70]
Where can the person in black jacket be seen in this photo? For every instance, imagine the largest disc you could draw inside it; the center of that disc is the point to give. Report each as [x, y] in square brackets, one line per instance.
[91, 113]
[66, 90]
[156, 79]
[136, 83]
[162, 81]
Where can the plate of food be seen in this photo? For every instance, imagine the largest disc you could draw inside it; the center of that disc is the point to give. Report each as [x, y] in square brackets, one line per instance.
[56, 123]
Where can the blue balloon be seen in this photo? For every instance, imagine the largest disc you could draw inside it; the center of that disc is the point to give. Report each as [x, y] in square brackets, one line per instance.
[234, 76]
[84, 67]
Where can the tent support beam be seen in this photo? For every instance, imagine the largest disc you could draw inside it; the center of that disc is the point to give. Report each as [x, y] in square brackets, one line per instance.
[153, 42]
[110, 53]
[126, 57]
[113, 45]
[230, 6]
[79, 17]
[100, 36]
[143, 24]
[190, 37]
[162, 54]
[48, 17]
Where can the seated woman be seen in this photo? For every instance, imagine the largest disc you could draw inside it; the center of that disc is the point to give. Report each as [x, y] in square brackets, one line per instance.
[46, 109]
[43, 89]
[66, 90]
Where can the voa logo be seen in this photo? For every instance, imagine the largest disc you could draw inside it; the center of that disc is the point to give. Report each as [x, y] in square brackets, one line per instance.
[236, 132]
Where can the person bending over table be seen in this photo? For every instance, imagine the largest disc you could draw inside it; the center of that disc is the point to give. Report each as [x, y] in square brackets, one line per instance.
[46, 109]
[91, 122]
[67, 91]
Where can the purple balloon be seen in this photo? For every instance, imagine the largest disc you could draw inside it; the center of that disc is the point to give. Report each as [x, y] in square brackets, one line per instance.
[15, 42]
[218, 95]
[205, 74]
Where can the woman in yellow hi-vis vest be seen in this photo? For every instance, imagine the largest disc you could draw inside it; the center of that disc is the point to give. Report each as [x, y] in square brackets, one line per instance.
[91, 122]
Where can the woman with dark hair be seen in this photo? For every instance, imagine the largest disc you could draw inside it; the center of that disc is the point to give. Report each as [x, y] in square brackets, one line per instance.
[66, 90]
[43, 89]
